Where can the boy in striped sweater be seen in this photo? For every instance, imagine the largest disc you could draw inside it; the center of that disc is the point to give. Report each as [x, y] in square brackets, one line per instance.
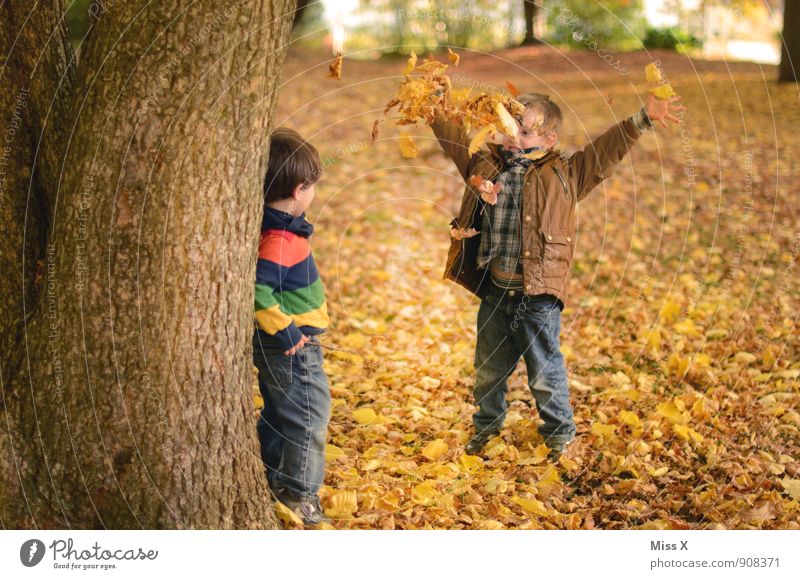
[290, 311]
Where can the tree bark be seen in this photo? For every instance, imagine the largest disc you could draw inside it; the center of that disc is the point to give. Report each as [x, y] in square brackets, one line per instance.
[127, 386]
[530, 18]
[790, 45]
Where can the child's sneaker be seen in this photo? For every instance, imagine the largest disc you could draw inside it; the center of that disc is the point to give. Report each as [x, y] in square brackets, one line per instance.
[310, 511]
[557, 448]
[478, 441]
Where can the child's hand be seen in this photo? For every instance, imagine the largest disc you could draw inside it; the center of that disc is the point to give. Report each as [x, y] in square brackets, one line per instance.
[298, 346]
[658, 109]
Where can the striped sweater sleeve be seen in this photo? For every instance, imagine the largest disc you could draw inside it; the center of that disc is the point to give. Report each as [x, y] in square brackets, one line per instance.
[270, 276]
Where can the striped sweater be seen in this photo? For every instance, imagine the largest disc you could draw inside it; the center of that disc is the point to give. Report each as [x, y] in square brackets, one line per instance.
[290, 297]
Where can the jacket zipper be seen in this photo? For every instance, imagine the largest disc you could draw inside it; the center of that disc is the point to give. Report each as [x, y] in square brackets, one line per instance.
[563, 181]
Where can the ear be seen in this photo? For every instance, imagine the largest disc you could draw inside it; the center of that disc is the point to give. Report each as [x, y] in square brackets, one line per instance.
[552, 139]
[297, 189]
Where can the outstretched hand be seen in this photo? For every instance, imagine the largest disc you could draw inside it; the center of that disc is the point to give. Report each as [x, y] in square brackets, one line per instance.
[659, 109]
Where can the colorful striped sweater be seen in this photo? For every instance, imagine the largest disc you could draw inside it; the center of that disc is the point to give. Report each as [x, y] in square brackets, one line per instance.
[290, 297]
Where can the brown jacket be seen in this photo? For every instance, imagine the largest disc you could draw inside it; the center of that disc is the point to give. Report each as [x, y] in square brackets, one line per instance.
[553, 186]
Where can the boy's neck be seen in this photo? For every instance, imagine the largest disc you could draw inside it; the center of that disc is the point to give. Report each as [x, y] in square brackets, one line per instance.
[285, 205]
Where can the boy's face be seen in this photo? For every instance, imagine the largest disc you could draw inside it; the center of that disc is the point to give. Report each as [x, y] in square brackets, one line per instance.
[529, 133]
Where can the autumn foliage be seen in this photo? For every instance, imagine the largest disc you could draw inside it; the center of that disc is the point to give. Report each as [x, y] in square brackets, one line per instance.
[680, 331]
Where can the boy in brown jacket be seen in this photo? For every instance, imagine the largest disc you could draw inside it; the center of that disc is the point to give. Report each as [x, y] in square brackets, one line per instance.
[521, 200]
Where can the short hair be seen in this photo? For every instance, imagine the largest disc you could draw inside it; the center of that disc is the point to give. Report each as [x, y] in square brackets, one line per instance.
[550, 111]
[292, 161]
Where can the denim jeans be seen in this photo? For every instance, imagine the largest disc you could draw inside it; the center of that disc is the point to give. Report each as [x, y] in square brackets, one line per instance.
[292, 427]
[513, 326]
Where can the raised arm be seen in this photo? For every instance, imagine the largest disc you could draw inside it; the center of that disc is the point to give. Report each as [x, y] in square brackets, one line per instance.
[454, 141]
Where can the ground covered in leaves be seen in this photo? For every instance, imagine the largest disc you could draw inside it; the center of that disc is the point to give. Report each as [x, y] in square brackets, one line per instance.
[680, 331]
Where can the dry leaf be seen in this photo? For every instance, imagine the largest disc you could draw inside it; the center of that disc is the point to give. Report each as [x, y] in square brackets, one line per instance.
[335, 68]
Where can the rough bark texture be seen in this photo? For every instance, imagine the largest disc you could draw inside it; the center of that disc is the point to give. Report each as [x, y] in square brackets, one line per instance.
[790, 46]
[126, 388]
[530, 18]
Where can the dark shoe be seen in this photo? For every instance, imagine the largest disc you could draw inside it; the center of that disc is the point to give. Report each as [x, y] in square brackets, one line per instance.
[478, 441]
[309, 510]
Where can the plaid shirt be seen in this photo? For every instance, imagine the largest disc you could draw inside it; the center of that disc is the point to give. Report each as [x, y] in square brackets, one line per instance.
[501, 229]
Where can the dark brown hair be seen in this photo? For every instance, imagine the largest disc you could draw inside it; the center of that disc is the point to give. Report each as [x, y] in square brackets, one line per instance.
[292, 160]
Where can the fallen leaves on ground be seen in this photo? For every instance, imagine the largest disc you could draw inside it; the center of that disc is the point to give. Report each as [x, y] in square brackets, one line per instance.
[679, 333]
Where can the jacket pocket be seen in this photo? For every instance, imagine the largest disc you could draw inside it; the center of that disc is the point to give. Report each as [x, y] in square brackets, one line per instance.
[558, 249]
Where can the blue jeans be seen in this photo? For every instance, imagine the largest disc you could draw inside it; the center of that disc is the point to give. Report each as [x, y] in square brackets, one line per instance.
[511, 327]
[293, 425]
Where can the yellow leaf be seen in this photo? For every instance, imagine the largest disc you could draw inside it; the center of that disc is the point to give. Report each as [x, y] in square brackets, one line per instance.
[471, 464]
[425, 492]
[407, 146]
[258, 401]
[674, 411]
[287, 516]
[669, 312]
[412, 62]
[342, 504]
[603, 430]
[686, 432]
[365, 416]
[434, 449]
[333, 452]
[505, 121]
[663, 92]
[335, 68]
[744, 358]
[480, 138]
[630, 418]
[652, 72]
[792, 487]
[532, 506]
[454, 58]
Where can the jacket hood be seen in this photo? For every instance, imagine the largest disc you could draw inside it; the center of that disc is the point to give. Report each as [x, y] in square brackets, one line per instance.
[277, 219]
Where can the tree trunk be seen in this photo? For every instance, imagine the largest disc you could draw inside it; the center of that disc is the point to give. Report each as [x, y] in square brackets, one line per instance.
[790, 45]
[136, 185]
[530, 18]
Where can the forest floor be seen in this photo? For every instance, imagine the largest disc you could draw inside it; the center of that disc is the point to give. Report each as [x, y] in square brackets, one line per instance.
[680, 330]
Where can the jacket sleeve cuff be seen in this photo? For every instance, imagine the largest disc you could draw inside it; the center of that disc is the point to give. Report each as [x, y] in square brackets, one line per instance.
[289, 336]
[641, 121]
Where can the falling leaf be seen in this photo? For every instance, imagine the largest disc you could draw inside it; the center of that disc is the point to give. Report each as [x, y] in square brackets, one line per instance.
[412, 62]
[463, 233]
[505, 122]
[512, 89]
[374, 134]
[653, 73]
[480, 138]
[335, 68]
[407, 146]
[454, 58]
